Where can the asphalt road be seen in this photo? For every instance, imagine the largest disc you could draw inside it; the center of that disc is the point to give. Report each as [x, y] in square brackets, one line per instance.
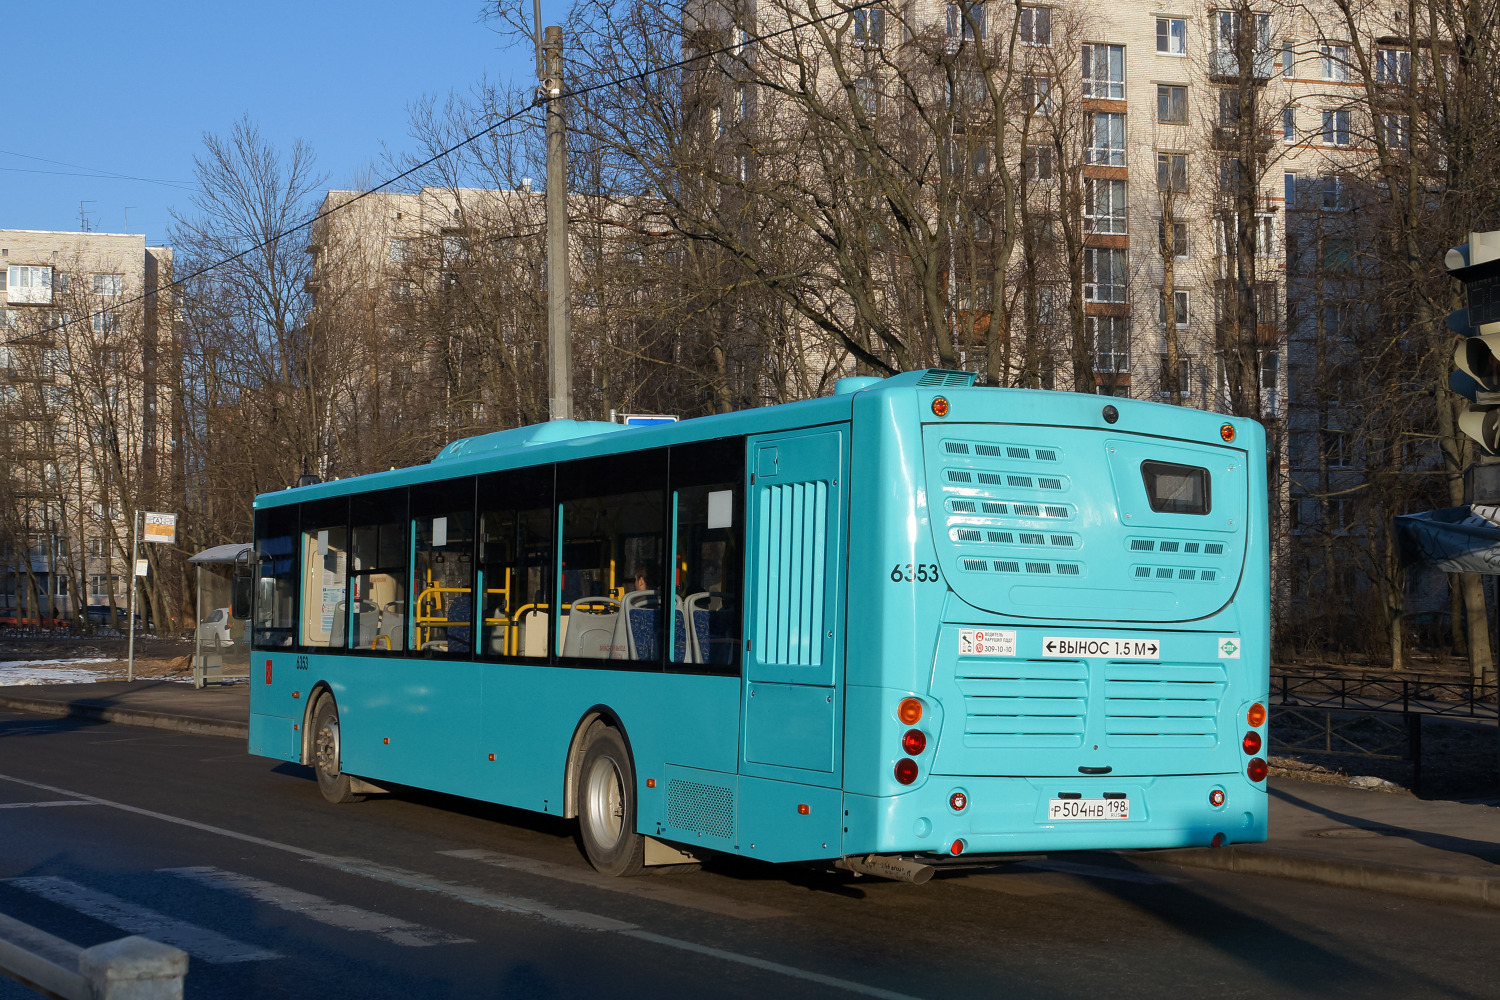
[107, 830]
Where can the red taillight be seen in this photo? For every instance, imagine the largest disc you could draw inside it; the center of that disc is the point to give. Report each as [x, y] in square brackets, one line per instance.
[940, 407]
[268, 671]
[1251, 742]
[1255, 770]
[909, 711]
[914, 742]
[1216, 797]
[957, 848]
[958, 802]
[1256, 715]
[906, 770]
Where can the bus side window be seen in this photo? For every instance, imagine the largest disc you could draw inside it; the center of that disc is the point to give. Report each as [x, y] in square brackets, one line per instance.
[612, 584]
[516, 516]
[325, 552]
[377, 572]
[442, 524]
[708, 563]
[275, 581]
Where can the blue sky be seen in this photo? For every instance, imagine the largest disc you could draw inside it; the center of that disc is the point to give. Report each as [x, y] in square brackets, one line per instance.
[131, 87]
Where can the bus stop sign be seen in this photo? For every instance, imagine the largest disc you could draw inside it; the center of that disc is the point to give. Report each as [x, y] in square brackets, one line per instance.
[160, 528]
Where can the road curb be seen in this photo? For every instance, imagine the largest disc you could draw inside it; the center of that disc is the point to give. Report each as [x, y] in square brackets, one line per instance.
[1442, 887]
[128, 716]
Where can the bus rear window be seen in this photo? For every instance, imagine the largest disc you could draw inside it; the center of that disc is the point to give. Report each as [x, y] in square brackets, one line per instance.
[1176, 489]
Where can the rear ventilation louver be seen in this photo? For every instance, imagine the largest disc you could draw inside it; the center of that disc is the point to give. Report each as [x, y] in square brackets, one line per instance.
[1016, 566]
[934, 377]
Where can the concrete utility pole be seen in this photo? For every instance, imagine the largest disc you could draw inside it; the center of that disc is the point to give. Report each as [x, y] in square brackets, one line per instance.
[559, 333]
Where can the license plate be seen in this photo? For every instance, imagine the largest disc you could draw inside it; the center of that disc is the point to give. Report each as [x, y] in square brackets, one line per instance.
[1088, 809]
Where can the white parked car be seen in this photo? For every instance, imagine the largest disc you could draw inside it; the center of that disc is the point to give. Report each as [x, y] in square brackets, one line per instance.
[216, 627]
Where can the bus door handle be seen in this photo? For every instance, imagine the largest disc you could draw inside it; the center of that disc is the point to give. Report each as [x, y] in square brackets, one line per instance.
[1095, 770]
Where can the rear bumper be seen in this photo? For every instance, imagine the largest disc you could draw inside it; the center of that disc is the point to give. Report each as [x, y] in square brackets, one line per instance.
[1009, 815]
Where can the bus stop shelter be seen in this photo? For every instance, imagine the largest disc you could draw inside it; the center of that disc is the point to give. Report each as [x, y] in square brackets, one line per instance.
[221, 643]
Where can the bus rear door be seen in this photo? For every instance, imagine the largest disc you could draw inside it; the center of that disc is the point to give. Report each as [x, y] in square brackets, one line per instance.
[792, 711]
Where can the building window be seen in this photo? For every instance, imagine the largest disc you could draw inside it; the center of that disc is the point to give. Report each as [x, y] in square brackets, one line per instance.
[1335, 63]
[1338, 255]
[1103, 206]
[1288, 59]
[1171, 171]
[1184, 384]
[32, 285]
[1107, 144]
[1179, 245]
[400, 251]
[1335, 194]
[966, 21]
[869, 27]
[1264, 236]
[1104, 275]
[1338, 447]
[1036, 25]
[1335, 128]
[1229, 107]
[1396, 129]
[1225, 59]
[1288, 125]
[61, 281]
[1036, 94]
[1289, 195]
[1111, 336]
[109, 284]
[105, 322]
[1179, 309]
[98, 585]
[1104, 71]
[1171, 36]
[1392, 66]
[1171, 105]
[1038, 163]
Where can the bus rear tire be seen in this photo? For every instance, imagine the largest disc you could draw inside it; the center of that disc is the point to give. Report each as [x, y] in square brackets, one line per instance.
[327, 755]
[607, 807]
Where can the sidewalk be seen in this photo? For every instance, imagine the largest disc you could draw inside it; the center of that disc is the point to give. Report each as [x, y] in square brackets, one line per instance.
[1329, 834]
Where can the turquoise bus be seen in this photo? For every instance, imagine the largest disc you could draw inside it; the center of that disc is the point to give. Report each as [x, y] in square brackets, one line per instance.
[913, 622]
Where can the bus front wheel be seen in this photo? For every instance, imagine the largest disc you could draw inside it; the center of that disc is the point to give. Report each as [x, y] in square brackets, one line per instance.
[607, 807]
[327, 755]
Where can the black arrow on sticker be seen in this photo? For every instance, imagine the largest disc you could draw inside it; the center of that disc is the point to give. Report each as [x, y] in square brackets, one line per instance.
[1050, 645]
[1153, 649]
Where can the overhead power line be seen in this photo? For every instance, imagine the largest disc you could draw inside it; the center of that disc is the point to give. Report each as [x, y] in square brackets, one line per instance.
[536, 102]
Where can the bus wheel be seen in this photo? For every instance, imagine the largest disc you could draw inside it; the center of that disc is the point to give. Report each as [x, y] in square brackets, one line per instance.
[332, 781]
[606, 807]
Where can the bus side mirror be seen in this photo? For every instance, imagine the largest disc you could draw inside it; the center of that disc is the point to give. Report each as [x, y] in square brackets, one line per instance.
[239, 604]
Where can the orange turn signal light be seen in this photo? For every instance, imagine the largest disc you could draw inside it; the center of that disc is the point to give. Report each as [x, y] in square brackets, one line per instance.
[1256, 715]
[909, 711]
[940, 406]
[802, 809]
[1227, 433]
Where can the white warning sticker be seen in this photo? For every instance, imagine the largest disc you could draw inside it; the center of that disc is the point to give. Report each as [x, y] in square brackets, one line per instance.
[1133, 648]
[986, 642]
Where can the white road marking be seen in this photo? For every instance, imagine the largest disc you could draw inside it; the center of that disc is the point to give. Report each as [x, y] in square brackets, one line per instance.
[200, 942]
[577, 919]
[474, 895]
[44, 805]
[325, 911]
[653, 889]
[1099, 871]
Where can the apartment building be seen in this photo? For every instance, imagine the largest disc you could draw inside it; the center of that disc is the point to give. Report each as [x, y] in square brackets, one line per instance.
[84, 358]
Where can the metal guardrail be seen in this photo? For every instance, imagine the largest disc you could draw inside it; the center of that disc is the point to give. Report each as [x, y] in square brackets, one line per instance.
[132, 968]
[1427, 695]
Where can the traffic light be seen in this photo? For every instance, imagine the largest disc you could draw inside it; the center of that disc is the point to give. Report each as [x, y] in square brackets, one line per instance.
[1477, 356]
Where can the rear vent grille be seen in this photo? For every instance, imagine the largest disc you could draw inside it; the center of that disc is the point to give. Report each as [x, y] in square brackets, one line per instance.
[962, 506]
[1024, 704]
[1183, 573]
[960, 476]
[933, 377]
[1162, 705]
[994, 536]
[973, 565]
[1015, 452]
[1176, 545]
[702, 808]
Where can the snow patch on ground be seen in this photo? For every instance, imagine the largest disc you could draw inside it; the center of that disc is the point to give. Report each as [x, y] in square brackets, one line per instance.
[16, 672]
